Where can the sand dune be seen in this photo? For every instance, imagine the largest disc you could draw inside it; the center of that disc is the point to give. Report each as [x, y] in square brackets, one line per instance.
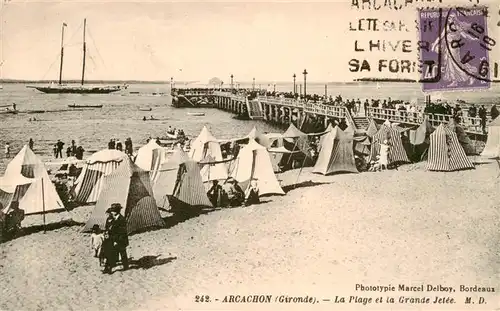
[407, 226]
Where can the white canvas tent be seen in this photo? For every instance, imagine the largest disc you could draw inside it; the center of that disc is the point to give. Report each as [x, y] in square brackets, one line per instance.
[26, 181]
[254, 162]
[150, 157]
[205, 147]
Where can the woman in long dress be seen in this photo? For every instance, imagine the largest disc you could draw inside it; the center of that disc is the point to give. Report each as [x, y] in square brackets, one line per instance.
[384, 155]
[452, 73]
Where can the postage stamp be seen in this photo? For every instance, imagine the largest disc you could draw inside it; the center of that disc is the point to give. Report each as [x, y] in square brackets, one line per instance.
[454, 49]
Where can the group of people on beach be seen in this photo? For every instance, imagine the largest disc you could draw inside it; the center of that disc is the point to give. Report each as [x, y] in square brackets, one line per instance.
[109, 244]
[117, 144]
[230, 194]
[72, 151]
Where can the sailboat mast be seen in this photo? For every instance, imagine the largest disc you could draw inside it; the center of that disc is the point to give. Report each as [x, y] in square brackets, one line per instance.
[84, 49]
[62, 53]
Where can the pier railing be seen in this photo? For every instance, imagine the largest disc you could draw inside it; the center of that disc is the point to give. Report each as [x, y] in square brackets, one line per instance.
[326, 110]
[471, 124]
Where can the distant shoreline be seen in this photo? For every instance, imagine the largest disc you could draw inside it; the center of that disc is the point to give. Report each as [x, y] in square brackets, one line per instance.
[16, 81]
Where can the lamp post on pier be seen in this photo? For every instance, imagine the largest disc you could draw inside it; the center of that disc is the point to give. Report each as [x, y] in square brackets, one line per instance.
[253, 85]
[171, 82]
[294, 87]
[232, 81]
[305, 83]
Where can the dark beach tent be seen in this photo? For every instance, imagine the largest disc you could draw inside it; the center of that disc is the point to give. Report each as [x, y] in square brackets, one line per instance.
[397, 153]
[130, 186]
[372, 128]
[419, 140]
[462, 136]
[422, 133]
[362, 145]
[179, 184]
[296, 140]
[336, 154]
[492, 148]
[445, 152]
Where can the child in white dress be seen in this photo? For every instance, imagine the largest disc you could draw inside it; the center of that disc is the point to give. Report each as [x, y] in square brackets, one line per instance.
[97, 238]
[384, 155]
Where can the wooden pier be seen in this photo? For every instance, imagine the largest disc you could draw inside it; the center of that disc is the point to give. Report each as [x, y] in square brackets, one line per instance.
[285, 111]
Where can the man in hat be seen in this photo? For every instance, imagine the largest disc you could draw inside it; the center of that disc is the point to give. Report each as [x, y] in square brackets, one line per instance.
[235, 194]
[116, 226]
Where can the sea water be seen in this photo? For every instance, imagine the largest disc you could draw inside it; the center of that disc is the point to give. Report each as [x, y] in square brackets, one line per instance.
[120, 116]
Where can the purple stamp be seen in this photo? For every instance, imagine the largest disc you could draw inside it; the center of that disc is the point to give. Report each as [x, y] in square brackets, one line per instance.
[454, 49]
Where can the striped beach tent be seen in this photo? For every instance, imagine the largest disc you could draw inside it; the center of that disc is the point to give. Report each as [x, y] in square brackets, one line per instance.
[462, 136]
[179, 184]
[492, 148]
[130, 186]
[372, 128]
[336, 153]
[89, 184]
[397, 153]
[445, 152]
[26, 181]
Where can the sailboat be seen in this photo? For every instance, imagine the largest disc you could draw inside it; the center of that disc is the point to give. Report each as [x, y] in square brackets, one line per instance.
[61, 88]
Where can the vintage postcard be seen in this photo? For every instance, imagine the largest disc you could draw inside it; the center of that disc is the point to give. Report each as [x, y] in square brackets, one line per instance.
[249, 155]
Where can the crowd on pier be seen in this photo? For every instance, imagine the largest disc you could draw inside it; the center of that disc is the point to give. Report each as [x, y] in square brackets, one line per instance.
[461, 112]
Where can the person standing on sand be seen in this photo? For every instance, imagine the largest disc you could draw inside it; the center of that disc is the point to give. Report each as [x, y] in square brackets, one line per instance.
[384, 155]
[97, 238]
[7, 150]
[60, 146]
[116, 226]
[119, 145]
[31, 143]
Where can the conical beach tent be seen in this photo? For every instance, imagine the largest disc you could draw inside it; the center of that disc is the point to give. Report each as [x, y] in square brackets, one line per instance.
[462, 136]
[89, 184]
[150, 156]
[492, 147]
[336, 154]
[397, 153]
[372, 128]
[293, 132]
[445, 152]
[179, 183]
[205, 146]
[130, 186]
[254, 162]
[259, 137]
[199, 145]
[422, 133]
[26, 181]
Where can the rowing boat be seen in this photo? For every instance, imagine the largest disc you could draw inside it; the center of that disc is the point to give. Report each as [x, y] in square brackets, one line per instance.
[145, 109]
[197, 114]
[84, 106]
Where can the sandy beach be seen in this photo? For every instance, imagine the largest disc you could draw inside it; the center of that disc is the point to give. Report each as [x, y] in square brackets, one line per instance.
[405, 226]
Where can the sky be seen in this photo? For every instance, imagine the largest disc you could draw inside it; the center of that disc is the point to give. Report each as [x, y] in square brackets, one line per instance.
[195, 41]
